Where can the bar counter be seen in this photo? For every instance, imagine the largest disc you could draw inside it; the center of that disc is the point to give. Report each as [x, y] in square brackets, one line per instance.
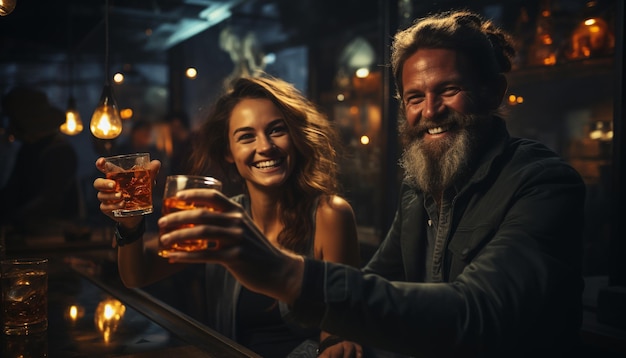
[83, 289]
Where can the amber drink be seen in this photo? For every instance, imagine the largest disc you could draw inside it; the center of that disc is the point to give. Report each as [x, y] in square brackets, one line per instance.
[24, 296]
[171, 203]
[131, 174]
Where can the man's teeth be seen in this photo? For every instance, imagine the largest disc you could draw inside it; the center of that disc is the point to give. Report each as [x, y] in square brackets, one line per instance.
[436, 130]
[267, 164]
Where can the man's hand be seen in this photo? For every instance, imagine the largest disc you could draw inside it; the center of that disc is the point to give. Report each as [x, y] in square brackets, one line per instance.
[236, 243]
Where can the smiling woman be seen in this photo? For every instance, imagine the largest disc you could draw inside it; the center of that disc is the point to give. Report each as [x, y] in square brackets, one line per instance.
[260, 145]
[266, 135]
[264, 132]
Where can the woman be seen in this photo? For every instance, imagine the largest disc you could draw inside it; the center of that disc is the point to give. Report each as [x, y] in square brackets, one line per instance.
[268, 135]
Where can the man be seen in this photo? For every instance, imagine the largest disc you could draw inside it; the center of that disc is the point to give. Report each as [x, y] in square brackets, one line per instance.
[483, 257]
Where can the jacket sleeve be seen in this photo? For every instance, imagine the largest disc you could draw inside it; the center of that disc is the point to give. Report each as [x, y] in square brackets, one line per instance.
[398, 258]
[525, 282]
[385, 261]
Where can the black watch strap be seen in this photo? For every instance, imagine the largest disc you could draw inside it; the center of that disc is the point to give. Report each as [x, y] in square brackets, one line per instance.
[124, 236]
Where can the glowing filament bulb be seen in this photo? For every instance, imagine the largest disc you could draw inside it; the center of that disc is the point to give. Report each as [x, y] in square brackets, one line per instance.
[106, 122]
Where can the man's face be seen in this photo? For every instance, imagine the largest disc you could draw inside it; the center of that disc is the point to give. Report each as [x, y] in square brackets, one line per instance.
[443, 121]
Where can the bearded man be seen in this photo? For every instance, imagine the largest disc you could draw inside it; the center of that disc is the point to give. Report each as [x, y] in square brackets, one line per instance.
[483, 257]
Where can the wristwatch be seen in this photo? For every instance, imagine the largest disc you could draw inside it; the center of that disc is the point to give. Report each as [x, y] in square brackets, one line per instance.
[124, 236]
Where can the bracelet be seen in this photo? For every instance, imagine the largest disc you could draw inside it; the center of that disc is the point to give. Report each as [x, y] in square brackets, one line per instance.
[124, 236]
[327, 342]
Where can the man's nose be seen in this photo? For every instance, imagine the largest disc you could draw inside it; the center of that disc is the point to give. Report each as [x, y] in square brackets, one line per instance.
[433, 106]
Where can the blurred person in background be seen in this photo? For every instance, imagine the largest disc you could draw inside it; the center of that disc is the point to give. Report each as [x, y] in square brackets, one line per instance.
[41, 194]
[140, 140]
[181, 134]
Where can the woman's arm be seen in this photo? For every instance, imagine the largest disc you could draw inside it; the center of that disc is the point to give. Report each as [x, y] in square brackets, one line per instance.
[336, 240]
[137, 265]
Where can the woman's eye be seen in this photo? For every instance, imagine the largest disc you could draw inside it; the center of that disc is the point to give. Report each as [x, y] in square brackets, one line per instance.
[278, 130]
[246, 137]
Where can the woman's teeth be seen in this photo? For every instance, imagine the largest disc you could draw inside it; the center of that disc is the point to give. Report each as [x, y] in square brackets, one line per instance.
[267, 164]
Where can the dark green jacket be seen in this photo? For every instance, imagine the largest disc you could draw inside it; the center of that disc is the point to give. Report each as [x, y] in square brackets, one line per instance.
[513, 285]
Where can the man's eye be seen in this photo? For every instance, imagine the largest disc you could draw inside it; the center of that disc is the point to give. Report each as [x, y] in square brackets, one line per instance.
[450, 91]
[414, 99]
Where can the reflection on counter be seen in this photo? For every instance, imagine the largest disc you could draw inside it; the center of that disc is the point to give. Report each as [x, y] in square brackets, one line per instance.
[90, 313]
[108, 315]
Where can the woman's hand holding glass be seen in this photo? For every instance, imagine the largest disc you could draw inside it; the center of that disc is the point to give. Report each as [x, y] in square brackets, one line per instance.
[110, 199]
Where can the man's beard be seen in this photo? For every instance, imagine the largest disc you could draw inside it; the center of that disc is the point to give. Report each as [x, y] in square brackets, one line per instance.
[434, 167]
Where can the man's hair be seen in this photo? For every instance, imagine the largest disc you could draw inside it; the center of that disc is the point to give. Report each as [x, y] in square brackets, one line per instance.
[488, 48]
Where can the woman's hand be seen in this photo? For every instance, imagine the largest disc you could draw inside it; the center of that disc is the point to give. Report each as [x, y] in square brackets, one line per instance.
[111, 199]
[235, 242]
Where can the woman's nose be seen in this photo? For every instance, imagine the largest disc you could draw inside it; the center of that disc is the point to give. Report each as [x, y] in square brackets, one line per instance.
[265, 144]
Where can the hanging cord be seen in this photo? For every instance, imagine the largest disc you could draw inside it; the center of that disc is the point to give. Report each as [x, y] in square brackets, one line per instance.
[106, 43]
[70, 55]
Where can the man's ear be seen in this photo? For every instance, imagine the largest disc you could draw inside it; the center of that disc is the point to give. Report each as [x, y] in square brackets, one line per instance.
[498, 91]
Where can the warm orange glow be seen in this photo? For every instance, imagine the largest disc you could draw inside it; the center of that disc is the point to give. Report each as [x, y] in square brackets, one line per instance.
[7, 7]
[550, 60]
[73, 124]
[362, 72]
[191, 73]
[546, 40]
[365, 140]
[106, 123]
[590, 22]
[107, 317]
[118, 78]
[73, 312]
[512, 98]
[126, 113]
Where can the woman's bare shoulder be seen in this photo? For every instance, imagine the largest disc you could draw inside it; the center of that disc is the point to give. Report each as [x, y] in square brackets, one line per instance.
[334, 205]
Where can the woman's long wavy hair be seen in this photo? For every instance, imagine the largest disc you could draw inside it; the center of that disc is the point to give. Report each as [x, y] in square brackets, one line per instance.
[313, 135]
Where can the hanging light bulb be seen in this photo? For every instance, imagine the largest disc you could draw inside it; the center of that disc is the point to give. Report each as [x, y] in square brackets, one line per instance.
[7, 7]
[106, 122]
[73, 124]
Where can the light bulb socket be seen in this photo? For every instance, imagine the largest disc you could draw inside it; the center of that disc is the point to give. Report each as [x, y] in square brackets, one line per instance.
[71, 103]
[107, 98]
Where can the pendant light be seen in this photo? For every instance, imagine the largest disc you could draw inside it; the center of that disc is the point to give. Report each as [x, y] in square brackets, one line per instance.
[73, 123]
[7, 7]
[106, 122]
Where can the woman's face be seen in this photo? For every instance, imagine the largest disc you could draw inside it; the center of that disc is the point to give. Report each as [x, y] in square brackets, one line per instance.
[260, 145]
